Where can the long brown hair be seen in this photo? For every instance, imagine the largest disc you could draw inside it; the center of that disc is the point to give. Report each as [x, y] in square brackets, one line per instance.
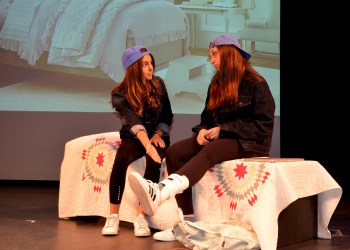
[224, 85]
[139, 91]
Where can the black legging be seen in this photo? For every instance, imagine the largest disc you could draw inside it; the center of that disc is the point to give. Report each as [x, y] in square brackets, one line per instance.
[188, 158]
[128, 152]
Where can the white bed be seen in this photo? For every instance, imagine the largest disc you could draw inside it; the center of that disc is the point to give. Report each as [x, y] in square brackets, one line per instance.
[98, 32]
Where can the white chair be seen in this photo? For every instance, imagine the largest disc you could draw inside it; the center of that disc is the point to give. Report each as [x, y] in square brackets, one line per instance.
[266, 29]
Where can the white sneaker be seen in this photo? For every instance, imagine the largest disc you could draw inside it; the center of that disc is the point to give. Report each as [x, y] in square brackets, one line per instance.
[165, 235]
[141, 226]
[172, 185]
[112, 225]
[147, 193]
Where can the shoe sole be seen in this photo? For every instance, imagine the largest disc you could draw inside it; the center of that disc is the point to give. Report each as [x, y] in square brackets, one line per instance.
[142, 235]
[135, 181]
[163, 239]
[110, 234]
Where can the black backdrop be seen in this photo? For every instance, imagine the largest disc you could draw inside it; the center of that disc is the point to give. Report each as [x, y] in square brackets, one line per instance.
[313, 88]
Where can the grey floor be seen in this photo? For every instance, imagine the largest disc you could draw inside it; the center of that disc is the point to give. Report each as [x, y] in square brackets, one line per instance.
[29, 220]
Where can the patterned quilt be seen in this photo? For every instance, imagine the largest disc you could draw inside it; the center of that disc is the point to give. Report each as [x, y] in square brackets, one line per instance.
[250, 192]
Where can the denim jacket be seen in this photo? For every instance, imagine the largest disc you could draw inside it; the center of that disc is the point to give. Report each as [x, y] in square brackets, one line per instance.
[151, 119]
[250, 121]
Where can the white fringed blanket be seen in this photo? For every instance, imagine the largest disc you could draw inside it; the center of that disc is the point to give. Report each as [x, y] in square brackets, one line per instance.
[250, 192]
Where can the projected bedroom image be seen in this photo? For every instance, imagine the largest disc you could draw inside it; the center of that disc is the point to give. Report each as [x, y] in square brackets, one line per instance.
[47, 67]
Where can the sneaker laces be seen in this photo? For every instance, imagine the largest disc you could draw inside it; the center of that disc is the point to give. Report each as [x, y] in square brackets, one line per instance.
[111, 221]
[154, 187]
[141, 221]
[168, 232]
[152, 184]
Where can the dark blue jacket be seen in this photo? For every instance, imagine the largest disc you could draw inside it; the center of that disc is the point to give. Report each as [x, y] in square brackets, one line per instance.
[250, 121]
[151, 119]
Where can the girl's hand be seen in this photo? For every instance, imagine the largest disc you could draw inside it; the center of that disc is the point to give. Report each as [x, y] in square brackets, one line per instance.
[213, 134]
[152, 152]
[205, 136]
[157, 141]
[201, 137]
[150, 149]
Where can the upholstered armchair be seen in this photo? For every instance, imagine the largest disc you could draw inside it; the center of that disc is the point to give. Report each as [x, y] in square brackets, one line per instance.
[265, 29]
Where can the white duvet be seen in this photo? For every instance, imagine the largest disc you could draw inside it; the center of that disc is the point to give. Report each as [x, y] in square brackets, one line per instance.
[38, 33]
[97, 30]
[81, 45]
[168, 23]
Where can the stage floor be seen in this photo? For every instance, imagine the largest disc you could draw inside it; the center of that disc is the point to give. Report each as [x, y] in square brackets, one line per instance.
[29, 220]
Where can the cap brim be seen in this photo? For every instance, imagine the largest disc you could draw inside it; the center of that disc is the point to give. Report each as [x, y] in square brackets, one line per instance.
[245, 54]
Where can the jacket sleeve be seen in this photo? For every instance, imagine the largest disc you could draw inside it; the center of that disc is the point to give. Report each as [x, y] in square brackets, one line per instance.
[128, 117]
[206, 118]
[166, 115]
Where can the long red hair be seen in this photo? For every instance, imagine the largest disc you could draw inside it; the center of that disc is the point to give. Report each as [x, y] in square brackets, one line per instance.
[224, 85]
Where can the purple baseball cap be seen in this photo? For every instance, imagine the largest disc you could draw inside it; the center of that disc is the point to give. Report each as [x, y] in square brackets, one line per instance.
[132, 54]
[227, 39]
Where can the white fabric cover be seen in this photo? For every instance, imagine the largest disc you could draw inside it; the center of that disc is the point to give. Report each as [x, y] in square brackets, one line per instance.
[84, 182]
[255, 193]
[82, 45]
[18, 19]
[98, 30]
[149, 23]
[4, 7]
[251, 193]
[80, 18]
[31, 49]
